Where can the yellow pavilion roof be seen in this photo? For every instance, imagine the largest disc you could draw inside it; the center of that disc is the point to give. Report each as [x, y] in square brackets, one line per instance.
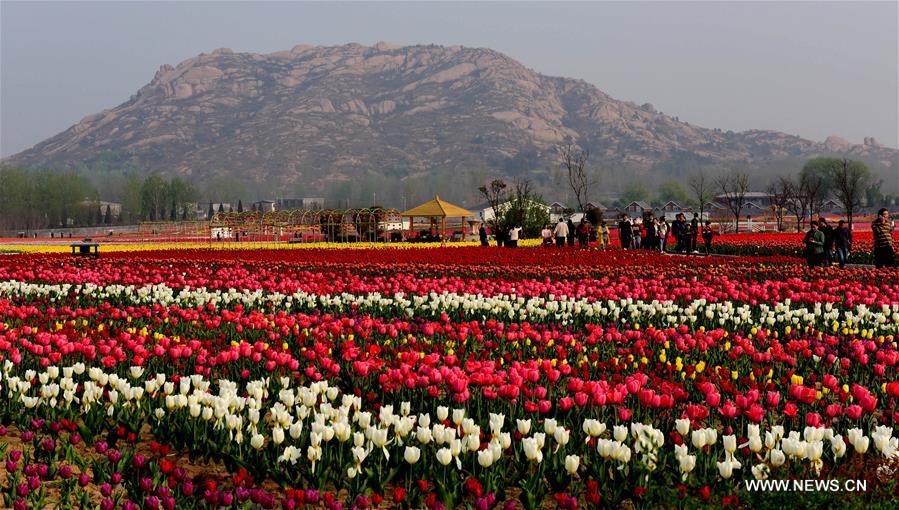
[438, 208]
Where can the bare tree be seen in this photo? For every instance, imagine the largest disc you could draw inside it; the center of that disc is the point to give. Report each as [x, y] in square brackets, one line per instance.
[781, 195]
[792, 201]
[703, 190]
[574, 161]
[811, 191]
[495, 193]
[734, 187]
[850, 180]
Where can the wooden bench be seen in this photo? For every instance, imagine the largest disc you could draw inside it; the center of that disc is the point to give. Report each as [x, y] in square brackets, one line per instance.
[86, 249]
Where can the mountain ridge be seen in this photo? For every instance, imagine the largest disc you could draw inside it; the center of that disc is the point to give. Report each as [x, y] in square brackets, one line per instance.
[322, 116]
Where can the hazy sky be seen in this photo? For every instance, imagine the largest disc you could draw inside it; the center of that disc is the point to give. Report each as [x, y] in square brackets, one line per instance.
[807, 68]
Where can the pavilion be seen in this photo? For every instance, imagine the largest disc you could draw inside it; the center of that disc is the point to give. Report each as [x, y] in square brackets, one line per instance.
[435, 209]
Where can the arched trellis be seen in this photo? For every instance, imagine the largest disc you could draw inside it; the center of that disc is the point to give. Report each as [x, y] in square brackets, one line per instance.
[372, 224]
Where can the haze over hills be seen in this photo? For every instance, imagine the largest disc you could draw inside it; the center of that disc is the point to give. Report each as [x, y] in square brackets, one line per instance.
[354, 120]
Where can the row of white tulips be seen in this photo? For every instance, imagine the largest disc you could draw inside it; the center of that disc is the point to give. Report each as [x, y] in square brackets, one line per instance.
[882, 320]
[300, 423]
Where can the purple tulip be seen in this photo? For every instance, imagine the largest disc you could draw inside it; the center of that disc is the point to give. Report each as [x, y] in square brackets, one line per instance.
[361, 502]
[27, 436]
[113, 455]
[55, 426]
[11, 466]
[20, 504]
[226, 498]
[151, 502]
[43, 470]
[130, 505]
[138, 461]
[243, 494]
[107, 504]
[22, 490]
[2, 430]
[65, 472]
[311, 496]
[30, 470]
[211, 498]
[106, 490]
[509, 505]
[145, 484]
[115, 478]
[178, 473]
[188, 488]
[162, 491]
[34, 483]
[84, 479]
[168, 503]
[15, 455]
[74, 439]
[101, 447]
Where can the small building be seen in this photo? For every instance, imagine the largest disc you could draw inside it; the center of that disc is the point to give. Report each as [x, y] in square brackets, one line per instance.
[637, 208]
[305, 203]
[264, 206]
[832, 206]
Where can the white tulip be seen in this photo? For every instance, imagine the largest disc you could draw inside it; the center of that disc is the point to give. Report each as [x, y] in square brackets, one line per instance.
[572, 462]
[411, 454]
[444, 456]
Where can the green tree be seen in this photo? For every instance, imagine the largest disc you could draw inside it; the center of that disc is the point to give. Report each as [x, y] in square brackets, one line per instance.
[634, 192]
[154, 192]
[132, 199]
[672, 190]
[240, 206]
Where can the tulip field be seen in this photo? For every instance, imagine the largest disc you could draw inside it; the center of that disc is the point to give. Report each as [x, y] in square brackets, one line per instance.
[461, 377]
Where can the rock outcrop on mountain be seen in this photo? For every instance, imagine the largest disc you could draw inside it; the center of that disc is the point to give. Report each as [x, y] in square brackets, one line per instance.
[314, 115]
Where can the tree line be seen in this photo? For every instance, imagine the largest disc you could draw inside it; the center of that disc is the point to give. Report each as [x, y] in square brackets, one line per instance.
[41, 199]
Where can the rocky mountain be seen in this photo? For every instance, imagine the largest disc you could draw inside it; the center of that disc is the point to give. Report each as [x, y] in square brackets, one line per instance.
[315, 117]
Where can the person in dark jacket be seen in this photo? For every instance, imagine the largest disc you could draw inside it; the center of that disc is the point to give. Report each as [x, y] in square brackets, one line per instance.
[842, 242]
[650, 243]
[572, 233]
[482, 234]
[707, 234]
[814, 245]
[882, 227]
[694, 232]
[624, 232]
[583, 233]
[678, 230]
[827, 230]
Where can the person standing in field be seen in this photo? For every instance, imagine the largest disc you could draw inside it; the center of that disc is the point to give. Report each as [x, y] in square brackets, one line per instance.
[707, 234]
[561, 233]
[514, 232]
[842, 242]
[482, 235]
[827, 230]
[651, 234]
[677, 230]
[624, 232]
[547, 235]
[603, 235]
[636, 234]
[882, 227]
[571, 233]
[583, 233]
[694, 233]
[814, 245]
[663, 234]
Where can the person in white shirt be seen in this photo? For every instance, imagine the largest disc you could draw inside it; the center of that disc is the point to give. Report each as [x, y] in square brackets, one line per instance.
[513, 236]
[561, 232]
[547, 235]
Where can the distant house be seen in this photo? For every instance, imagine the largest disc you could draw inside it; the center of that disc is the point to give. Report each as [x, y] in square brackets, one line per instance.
[759, 198]
[202, 209]
[832, 206]
[264, 206]
[307, 203]
[637, 208]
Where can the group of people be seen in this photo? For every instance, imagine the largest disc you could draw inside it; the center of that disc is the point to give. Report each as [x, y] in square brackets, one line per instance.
[566, 232]
[653, 234]
[825, 244]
